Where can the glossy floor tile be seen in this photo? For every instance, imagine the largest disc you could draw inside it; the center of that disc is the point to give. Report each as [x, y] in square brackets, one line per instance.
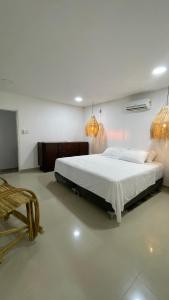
[138, 291]
[83, 254]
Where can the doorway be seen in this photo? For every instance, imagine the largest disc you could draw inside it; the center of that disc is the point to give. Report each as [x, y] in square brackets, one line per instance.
[8, 141]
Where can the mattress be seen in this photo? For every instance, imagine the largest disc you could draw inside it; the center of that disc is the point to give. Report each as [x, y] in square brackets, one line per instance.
[115, 180]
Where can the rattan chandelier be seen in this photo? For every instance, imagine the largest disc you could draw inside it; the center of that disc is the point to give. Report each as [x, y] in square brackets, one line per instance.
[92, 126]
[160, 125]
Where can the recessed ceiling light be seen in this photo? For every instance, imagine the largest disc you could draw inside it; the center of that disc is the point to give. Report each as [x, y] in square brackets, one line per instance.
[78, 99]
[76, 233]
[159, 70]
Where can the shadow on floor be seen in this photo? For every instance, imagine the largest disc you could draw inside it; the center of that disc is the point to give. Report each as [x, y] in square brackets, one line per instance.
[86, 211]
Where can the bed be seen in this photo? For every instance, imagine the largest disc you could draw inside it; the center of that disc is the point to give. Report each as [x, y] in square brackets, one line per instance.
[118, 182]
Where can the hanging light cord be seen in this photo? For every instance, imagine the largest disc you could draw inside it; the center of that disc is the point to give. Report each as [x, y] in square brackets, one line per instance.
[92, 109]
[100, 112]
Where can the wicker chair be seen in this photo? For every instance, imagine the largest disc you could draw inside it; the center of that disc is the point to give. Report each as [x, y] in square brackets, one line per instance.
[11, 199]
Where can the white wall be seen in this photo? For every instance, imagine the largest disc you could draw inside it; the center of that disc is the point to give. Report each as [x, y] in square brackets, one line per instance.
[131, 129]
[8, 140]
[45, 121]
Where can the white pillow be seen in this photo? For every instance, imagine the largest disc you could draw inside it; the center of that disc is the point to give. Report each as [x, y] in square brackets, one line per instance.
[136, 156]
[151, 156]
[113, 152]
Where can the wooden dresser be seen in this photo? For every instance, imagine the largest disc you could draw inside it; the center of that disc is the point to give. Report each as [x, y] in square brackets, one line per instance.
[49, 152]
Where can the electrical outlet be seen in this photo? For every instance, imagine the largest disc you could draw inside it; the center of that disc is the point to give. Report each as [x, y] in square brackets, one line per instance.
[25, 131]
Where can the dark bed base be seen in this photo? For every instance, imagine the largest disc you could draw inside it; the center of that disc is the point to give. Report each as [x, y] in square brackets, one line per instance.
[101, 201]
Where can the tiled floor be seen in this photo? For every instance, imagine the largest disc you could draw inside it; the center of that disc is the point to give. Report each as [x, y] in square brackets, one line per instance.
[83, 255]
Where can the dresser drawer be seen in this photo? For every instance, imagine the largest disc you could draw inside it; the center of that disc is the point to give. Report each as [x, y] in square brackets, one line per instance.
[49, 152]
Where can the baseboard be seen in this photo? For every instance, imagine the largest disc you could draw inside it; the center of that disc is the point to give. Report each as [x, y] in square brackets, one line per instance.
[30, 170]
[13, 170]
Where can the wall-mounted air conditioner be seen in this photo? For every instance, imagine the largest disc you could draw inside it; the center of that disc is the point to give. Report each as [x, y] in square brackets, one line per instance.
[139, 105]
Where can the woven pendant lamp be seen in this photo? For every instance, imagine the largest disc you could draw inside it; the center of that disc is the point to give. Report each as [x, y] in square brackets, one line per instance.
[92, 126]
[160, 125]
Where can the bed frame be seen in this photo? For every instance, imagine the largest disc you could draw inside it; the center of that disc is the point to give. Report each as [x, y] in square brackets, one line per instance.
[101, 201]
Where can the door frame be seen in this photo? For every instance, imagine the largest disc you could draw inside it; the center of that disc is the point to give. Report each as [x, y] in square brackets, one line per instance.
[18, 138]
[17, 133]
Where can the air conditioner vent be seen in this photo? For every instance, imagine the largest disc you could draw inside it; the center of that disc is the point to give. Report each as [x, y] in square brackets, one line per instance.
[139, 105]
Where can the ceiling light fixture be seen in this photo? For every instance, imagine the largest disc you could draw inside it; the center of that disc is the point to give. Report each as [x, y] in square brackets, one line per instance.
[92, 126]
[76, 233]
[159, 70]
[160, 125]
[78, 99]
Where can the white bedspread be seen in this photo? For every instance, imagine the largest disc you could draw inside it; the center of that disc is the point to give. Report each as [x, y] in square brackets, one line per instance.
[116, 181]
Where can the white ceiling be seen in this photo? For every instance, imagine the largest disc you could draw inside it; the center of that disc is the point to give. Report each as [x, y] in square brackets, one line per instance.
[98, 49]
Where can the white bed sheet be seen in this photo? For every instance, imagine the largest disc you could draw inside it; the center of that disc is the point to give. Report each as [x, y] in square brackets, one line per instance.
[115, 180]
